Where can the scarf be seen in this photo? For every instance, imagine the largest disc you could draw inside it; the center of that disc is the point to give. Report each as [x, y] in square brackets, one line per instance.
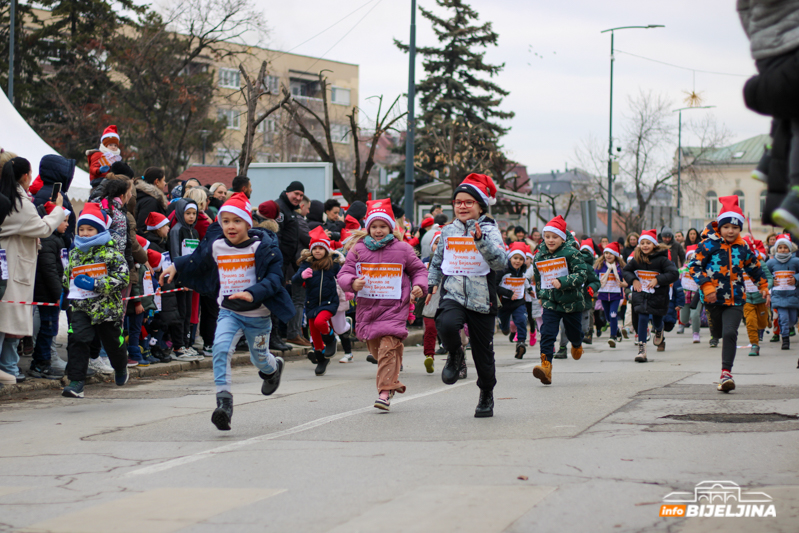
[106, 150]
[783, 257]
[84, 244]
[376, 245]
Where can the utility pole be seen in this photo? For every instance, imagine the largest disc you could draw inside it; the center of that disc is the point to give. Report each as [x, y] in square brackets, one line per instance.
[409, 136]
[11, 37]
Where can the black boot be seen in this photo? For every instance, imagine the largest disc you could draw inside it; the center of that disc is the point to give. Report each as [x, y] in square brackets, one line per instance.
[276, 344]
[453, 366]
[311, 355]
[786, 343]
[272, 381]
[224, 411]
[321, 364]
[485, 407]
[330, 344]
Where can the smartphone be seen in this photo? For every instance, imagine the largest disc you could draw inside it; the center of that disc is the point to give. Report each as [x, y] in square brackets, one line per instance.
[56, 192]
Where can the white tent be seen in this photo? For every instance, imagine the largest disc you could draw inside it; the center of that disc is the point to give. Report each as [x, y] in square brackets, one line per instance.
[18, 137]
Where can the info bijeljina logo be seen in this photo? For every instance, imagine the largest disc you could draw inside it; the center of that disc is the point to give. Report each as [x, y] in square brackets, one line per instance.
[721, 499]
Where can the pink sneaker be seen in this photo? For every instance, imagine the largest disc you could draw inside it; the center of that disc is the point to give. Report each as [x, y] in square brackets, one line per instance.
[533, 338]
[516, 338]
[696, 338]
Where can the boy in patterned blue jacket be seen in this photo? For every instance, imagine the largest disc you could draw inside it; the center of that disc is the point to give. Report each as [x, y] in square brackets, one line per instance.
[718, 268]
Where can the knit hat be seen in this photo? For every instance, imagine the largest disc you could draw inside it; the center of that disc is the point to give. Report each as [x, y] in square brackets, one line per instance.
[380, 209]
[481, 187]
[238, 205]
[426, 222]
[144, 243]
[319, 238]
[154, 259]
[730, 213]
[689, 251]
[649, 235]
[110, 135]
[589, 244]
[269, 209]
[357, 209]
[120, 168]
[399, 212]
[296, 186]
[517, 248]
[155, 220]
[613, 248]
[557, 226]
[94, 216]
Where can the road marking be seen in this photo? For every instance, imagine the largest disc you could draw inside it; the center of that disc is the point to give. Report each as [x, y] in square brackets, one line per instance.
[160, 467]
[162, 510]
[483, 509]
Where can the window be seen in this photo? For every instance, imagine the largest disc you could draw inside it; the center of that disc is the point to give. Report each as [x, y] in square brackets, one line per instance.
[711, 204]
[340, 96]
[229, 78]
[267, 126]
[741, 200]
[272, 84]
[230, 118]
[763, 194]
[339, 133]
[227, 157]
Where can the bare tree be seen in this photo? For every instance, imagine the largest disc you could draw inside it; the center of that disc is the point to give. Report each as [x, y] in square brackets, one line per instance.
[551, 201]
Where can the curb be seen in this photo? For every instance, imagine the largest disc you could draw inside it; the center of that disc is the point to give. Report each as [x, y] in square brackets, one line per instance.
[415, 337]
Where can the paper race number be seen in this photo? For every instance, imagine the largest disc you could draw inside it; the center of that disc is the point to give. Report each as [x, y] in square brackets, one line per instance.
[648, 280]
[552, 269]
[781, 278]
[462, 258]
[749, 285]
[188, 246]
[688, 283]
[612, 284]
[383, 280]
[514, 284]
[236, 273]
[95, 271]
[3, 265]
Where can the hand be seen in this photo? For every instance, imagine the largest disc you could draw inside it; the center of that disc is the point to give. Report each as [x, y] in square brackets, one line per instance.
[358, 284]
[84, 282]
[792, 281]
[637, 286]
[430, 295]
[556, 283]
[327, 232]
[764, 293]
[677, 309]
[710, 298]
[168, 275]
[152, 272]
[307, 273]
[59, 200]
[515, 296]
[477, 233]
[416, 292]
[139, 308]
[104, 169]
[246, 296]
[349, 295]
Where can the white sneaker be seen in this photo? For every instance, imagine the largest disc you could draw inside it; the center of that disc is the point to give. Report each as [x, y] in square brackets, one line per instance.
[183, 356]
[188, 350]
[56, 363]
[101, 365]
[346, 359]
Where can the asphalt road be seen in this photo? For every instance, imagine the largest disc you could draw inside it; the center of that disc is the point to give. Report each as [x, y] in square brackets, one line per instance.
[598, 450]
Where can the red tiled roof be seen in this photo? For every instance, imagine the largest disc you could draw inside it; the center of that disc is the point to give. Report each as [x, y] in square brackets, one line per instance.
[210, 174]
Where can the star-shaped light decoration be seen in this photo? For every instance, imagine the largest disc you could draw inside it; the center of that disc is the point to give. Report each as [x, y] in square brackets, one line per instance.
[693, 98]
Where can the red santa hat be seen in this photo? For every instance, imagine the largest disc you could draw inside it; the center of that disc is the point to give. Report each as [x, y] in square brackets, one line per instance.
[557, 226]
[154, 259]
[155, 220]
[427, 222]
[49, 206]
[783, 239]
[144, 243]
[319, 238]
[110, 135]
[481, 187]
[518, 248]
[589, 244]
[436, 237]
[730, 212]
[94, 216]
[238, 205]
[649, 235]
[689, 251]
[613, 248]
[380, 209]
[529, 252]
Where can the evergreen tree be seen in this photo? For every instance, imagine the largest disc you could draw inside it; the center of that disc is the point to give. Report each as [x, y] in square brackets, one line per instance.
[29, 50]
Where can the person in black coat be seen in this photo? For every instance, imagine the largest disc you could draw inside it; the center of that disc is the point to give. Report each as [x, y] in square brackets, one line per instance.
[149, 197]
[316, 215]
[56, 169]
[335, 222]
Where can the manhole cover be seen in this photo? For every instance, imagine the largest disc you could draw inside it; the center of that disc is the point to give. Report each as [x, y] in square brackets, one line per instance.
[734, 418]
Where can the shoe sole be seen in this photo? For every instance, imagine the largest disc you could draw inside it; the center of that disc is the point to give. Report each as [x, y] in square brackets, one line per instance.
[345, 361]
[624, 334]
[484, 415]
[381, 406]
[280, 365]
[577, 356]
[784, 218]
[655, 340]
[221, 420]
[726, 386]
[612, 343]
[539, 373]
[71, 394]
[520, 351]
[697, 342]
[45, 376]
[428, 364]
[640, 359]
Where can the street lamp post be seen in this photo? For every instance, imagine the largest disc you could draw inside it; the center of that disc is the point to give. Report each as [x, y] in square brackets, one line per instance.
[610, 128]
[409, 134]
[679, 152]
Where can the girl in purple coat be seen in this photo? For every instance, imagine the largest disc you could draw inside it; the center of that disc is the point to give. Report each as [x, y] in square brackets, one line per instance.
[611, 292]
[385, 274]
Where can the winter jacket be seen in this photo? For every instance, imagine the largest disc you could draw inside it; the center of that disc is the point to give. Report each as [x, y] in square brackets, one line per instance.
[656, 303]
[755, 298]
[107, 306]
[316, 215]
[378, 318]
[569, 298]
[56, 169]
[719, 267]
[200, 272]
[49, 269]
[771, 25]
[609, 296]
[476, 293]
[148, 199]
[181, 231]
[677, 253]
[506, 295]
[592, 281]
[320, 289]
[334, 228]
[785, 299]
[292, 241]
[677, 300]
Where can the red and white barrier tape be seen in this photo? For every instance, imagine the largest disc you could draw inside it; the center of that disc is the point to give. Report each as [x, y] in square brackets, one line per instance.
[48, 304]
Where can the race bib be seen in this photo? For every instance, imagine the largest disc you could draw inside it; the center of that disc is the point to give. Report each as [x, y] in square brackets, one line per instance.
[166, 261]
[64, 257]
[188, 246]
[383, 280]
[514, 284]
[612, 284]
[3, 265]
[95, 271]
[688, 283]
[149, 288]
[552, 269]
[236, 273]
[781, 278]
[749, 285]
[462, 258]
[649, 277]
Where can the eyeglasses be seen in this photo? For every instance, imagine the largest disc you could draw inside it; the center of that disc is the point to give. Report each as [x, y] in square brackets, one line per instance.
[465, 203]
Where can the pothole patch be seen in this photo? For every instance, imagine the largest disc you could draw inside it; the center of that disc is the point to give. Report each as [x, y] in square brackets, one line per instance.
[733, 418]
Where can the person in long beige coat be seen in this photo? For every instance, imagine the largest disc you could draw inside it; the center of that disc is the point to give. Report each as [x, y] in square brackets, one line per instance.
[18, 237]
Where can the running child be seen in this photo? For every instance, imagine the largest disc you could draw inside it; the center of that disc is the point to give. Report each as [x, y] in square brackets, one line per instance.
[784, 296]
[650, 272]
[559, 273]
[429, 315]
[611, 292]
[385, 274]
[512, 289]
[721, 260]
[243, 267]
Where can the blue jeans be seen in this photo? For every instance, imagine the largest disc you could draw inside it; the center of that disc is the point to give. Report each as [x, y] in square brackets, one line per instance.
[48, 319]
[134, 323]
[519, 318]
[787, 319]
[229, 328]
[611, 308]
[9, 358]
[643, 325]
[573, 323]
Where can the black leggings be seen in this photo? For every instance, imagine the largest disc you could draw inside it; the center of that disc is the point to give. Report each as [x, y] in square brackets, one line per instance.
[450, 322]
[724, 325]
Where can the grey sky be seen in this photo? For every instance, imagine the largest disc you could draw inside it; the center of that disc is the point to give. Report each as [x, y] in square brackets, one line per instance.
[563, 98]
